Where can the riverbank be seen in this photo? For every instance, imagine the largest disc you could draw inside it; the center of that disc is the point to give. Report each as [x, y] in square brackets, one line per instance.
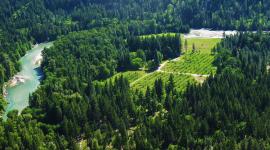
[16, 79]
[17, 90]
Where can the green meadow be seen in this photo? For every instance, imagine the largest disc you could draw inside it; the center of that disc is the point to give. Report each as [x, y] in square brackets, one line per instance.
[195, 63]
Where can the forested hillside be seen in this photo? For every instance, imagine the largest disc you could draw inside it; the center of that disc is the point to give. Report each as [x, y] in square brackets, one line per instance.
[42, 20]
[78, 103]
[113, 114]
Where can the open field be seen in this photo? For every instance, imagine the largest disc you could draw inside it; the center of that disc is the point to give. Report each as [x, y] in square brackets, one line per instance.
[198, 62]
[131, 76]
[190, 67]
[180, 81]
[202, 45]
[194, 63]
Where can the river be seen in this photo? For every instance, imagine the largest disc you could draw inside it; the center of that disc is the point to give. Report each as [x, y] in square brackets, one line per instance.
[27, 80]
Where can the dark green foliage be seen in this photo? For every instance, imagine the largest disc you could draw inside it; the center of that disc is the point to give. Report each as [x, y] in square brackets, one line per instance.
[243, 97]
[92, 55]
[229, 111]
[168, 45]
[209, 115]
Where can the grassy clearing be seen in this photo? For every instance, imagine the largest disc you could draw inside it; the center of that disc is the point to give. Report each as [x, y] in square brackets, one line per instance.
[180, 81]
[198, 62]
[183, 68]
[203, 45]
[130, 75]
[195, 63]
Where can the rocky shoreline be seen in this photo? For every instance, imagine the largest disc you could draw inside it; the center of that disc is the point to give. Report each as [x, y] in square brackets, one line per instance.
[18, 79]
[5, 93]
[38, 59]
[15, 80]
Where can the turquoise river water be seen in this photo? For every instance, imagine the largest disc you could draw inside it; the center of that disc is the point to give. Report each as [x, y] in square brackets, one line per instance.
[29, 77]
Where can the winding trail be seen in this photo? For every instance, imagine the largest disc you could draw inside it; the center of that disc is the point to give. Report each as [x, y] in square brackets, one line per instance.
[161, 66]
[189, 74]
[132, 83]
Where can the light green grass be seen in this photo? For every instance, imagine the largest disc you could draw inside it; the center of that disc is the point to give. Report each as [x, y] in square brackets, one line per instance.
[180, 81]
[203, 45]
[195, 63]
[198, 62]
[131, 76]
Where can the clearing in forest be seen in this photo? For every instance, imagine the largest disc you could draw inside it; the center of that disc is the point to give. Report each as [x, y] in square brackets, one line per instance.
[193, 66]
[197, 57]
[131, 76]
[180, 80]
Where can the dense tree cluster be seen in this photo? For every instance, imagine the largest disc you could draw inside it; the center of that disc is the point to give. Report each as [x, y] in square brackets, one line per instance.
[228, 111]
[173, 15]
[168, 45]
[12, 48]
[241, 102]
[208, 115]
[148, 51]
[89, 55]
[42, 20]
[81, 108]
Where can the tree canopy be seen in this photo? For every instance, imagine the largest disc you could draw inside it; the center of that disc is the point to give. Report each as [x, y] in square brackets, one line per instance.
[95, 39]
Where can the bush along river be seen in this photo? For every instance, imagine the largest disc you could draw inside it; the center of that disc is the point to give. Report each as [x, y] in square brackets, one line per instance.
[18, 89]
